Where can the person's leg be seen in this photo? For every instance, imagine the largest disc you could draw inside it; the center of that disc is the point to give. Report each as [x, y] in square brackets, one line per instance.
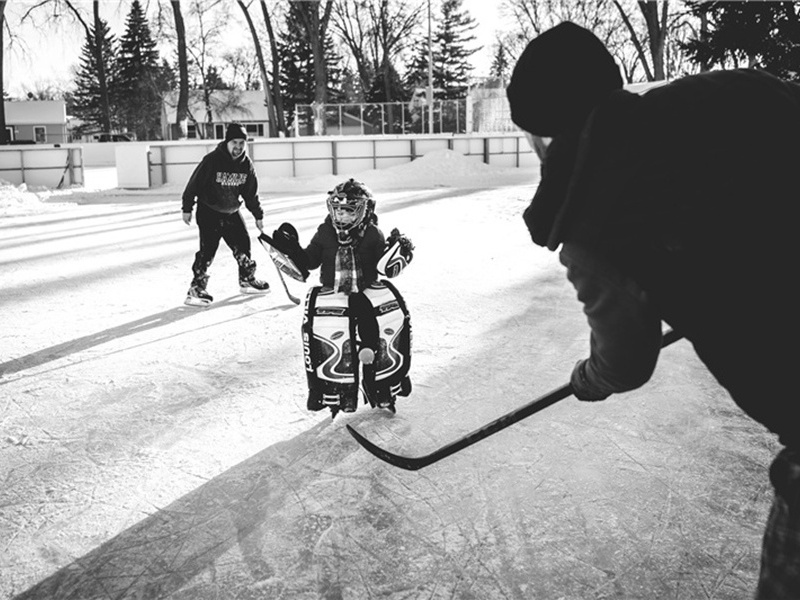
[362, 311]
[238, 240]
[209, 225]
[780, 554]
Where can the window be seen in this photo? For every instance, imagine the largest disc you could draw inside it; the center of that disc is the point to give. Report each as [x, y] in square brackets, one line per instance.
[39, 134]
[191, 131]
[255, 129]
[219, 132]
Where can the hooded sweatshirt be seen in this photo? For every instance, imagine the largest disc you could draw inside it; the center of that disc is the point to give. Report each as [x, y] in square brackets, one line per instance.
[219, 180]
[675, 205]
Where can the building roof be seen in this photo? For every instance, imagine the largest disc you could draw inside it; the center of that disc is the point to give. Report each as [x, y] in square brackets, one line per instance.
[35, 112]
[227, 105]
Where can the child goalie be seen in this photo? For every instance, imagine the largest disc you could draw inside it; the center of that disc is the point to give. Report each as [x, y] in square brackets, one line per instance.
[356, 328]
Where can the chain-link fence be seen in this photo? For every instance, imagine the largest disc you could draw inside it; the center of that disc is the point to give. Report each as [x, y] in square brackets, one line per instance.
[484, 110]
[380, 118]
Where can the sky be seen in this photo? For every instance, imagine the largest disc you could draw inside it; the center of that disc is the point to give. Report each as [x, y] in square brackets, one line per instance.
[43, 58]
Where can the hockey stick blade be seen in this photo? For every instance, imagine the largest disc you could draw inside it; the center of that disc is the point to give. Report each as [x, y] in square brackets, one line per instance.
[415, 463]
[265, 242]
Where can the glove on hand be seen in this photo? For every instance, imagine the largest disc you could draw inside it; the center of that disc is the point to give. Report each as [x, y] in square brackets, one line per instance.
[581, 387]
[285, 239]
[407, 248]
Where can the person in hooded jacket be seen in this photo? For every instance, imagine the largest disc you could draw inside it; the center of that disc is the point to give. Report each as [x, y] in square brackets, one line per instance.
[223, 176]
[674, 205]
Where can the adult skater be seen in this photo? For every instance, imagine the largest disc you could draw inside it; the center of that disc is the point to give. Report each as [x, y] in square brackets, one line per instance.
[223, 175]
[353, 318]
[674, 205]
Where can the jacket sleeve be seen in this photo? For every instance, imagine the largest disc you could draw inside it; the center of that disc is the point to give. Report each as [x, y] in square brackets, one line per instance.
[625, 327]
[314, 251]
[197, 182]
[250, 194]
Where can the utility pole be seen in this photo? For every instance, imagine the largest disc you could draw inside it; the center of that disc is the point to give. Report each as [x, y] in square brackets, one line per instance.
[430, 72]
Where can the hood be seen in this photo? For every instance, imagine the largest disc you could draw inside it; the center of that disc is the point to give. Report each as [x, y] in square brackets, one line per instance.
[559, 78]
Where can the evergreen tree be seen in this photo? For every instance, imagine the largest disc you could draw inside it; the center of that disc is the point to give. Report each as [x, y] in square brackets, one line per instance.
[500, 69]
[87, 101]
[451, 67]
[297, 64]
[763, 35]
[452, 70]
[140, 82]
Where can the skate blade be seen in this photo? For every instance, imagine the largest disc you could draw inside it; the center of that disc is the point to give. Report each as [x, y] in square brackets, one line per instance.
[253, 292]
[192, 301]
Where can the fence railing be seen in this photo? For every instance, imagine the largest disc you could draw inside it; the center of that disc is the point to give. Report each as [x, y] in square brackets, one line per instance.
[173, 162]
[42, 165]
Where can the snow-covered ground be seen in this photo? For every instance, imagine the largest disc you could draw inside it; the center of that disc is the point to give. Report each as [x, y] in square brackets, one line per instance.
[153, 450]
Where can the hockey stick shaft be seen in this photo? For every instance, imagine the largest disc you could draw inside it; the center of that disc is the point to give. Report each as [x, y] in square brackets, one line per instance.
[415, 463]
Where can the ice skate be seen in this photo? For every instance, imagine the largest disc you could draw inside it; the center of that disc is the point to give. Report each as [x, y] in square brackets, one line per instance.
[198, 296]
[253, 286]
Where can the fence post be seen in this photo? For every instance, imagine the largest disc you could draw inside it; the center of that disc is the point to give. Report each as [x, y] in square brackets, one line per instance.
[486, 150]
[333, 158]
[22, 164]
[413, 149]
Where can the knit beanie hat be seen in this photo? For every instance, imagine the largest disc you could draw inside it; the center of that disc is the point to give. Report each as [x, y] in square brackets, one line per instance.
[235, 131]
[559, 78]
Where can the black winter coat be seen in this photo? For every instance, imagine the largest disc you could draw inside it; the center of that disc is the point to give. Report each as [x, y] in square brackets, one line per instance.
[679, 205]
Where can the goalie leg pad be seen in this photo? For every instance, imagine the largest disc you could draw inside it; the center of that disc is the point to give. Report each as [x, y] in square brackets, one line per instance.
[393, 355]
[329, 353]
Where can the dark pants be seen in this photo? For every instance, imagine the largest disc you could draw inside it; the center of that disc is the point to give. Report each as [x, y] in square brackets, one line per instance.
[215, 226]
[780, 555]
[363, 314]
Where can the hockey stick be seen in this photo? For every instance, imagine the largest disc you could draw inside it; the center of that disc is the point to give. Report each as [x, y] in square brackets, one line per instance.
[294, 299]
[263, 240]
[415, 463]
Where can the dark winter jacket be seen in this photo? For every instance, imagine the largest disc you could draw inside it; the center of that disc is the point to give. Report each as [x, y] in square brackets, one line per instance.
[677, 206]
[219, 181]
[321, 252]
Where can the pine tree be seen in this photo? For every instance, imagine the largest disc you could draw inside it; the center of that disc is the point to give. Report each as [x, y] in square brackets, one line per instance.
[140, 83]
[87, 94]
[764, 35]
[501, 64]
[297, 64]
[452, 69]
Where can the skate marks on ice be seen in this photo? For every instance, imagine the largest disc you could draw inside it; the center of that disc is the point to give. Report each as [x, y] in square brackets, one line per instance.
[165, 318]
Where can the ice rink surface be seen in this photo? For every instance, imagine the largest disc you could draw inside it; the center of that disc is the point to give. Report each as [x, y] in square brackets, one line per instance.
[154, 450]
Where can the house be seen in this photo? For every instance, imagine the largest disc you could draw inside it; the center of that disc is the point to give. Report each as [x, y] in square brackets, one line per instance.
[37, 121]
[245, 107]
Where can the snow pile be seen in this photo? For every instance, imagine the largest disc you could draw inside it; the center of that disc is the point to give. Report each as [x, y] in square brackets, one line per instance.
[439, 168]
[18, 200]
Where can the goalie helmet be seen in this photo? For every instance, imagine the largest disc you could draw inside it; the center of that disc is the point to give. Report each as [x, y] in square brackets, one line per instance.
[350, 205]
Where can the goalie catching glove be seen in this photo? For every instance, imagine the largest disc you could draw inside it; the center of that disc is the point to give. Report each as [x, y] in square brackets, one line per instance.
[398, 253]
[286, 252]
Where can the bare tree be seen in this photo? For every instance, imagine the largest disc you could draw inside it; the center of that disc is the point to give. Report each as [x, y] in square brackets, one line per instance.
[182, 109]
[273, 126]
[276, 86]
[4, 137]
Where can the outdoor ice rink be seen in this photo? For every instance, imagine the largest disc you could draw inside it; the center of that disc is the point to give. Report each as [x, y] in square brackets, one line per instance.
[150, 450]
